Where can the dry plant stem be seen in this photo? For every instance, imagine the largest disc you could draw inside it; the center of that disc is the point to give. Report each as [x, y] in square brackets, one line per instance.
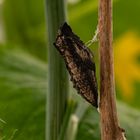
[110, 129]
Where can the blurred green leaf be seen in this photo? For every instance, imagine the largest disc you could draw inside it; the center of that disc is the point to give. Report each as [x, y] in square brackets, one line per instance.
[22, 98]
[89, 125]
[129, 120]
[22, 102]
[24, 23]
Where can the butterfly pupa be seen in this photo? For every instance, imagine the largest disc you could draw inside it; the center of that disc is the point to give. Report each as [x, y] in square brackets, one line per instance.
[79, 63]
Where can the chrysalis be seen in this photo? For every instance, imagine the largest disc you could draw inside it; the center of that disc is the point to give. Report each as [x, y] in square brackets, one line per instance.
[79, 63]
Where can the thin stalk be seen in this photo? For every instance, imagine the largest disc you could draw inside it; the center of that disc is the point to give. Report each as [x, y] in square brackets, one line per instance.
[65, 133]
[57, 76]
[110, 129]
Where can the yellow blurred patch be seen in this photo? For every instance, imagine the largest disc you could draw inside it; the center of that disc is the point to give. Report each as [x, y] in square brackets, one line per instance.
[126, 50]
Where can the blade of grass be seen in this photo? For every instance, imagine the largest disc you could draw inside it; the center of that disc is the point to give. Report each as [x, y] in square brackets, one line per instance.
[57, 76]
[64, 133]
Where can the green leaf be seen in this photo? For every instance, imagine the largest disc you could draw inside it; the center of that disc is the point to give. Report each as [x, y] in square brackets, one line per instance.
[89, 125]
[129, 120]
[24, 23]
[22, 98]
[22, 103]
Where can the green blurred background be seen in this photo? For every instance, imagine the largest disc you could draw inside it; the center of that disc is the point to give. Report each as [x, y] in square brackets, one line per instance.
[23, 66]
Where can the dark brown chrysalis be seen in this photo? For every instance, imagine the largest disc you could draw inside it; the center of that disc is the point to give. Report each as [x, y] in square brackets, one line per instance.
[79, 63]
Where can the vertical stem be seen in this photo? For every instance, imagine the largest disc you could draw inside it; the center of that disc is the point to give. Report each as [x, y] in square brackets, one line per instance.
[110, 129]
[57, 80]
